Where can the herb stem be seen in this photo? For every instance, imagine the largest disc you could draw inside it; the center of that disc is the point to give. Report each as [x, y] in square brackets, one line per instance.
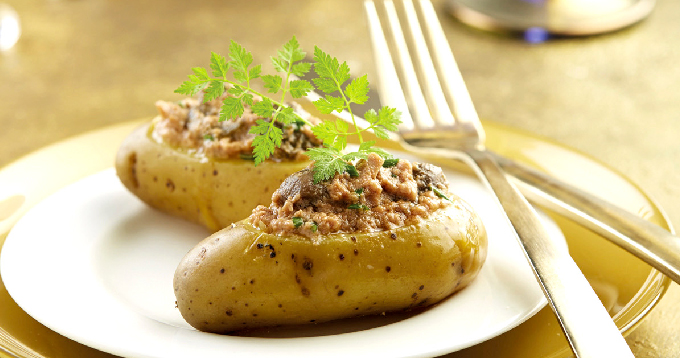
[349, 109]
[286, 87]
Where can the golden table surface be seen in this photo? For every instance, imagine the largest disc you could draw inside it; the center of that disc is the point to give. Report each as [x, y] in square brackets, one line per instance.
[84, 64]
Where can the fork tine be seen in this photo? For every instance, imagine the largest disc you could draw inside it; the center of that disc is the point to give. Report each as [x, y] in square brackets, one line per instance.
[441, 113]
[416, 100]
[390, 89]
[453, 83]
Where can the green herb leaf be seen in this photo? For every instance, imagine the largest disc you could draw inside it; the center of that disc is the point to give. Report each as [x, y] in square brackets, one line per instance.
[219, 65]
[315, 227]
[380, 132]
[232, 108]
[381, 152]
[299, 123]
[341, 126]
[439, 193]
[279, 64]
[269, 139]
[192, 86]
[291, 51]
[326, 85]
[261, 127]
[357, 90]
[343, 73]
[327, 162]
[352, 156]
[287, 116]
[358, 206]
[352, 171]
[254, 72]
[208, 137]
[272, 83]
[201, 73]
[237, 91]
[263, 108]
[246, 156]
[365, 149]
[247, 98]
[300, 88]
[386, 118]
[366, 146]
[389, 118]
[324, 64]
[301, 69]
[240, 60]
[389, 163]
[329, 104]
[359, 191]
[214, 91]
[329, 134]
[297, 221]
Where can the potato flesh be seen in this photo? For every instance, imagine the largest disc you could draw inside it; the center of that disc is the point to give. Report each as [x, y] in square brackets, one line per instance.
[213, 193]
[243, 278]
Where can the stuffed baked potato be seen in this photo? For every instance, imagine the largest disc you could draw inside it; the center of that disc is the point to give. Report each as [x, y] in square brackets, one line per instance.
[189, 164]
[403, 241]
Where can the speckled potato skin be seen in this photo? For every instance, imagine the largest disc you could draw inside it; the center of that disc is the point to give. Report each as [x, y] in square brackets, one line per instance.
[209, 192]
[241, 277]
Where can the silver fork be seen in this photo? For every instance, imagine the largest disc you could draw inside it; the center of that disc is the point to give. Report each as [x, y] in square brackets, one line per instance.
[431, 125]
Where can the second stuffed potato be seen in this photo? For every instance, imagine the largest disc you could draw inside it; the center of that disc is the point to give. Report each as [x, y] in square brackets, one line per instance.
[213, 193]
[189, 164]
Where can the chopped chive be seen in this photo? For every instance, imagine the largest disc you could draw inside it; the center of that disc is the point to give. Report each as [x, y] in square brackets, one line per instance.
[389, 163]
[299, 124]
[353, 172]
[246, 156]
[208, 137]
[359, 191]
[297, 221]
[315, 227]
[439, 193]
[394, 175]
[358, 206]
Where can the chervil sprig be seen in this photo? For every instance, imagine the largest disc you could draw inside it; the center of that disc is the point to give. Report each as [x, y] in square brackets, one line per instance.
[332, 78]
[213, 86]
[269, 136]
[288, 62]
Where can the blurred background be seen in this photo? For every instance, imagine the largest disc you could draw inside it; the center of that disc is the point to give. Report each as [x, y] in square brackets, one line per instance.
[80, 65]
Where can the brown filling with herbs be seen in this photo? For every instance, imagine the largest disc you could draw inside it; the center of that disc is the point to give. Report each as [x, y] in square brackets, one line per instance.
[195, 126]
[378, 196]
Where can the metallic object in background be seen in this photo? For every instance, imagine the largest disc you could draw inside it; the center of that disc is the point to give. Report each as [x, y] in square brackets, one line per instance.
[559, 17]
[10, 29]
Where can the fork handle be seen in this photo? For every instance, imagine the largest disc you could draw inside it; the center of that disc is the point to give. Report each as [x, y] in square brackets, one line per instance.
[649, 242]
[586, 323]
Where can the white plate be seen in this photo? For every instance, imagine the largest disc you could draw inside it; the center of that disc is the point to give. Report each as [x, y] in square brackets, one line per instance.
[95, 264]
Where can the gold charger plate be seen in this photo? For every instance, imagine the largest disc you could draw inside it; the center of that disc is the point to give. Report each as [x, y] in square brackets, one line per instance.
[628, 287]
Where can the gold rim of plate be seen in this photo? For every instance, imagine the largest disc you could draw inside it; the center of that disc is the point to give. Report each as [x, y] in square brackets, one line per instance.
[628, 287]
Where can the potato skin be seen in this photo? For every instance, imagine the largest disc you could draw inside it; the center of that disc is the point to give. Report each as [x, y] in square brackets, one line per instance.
[241, 277]
[213, 193]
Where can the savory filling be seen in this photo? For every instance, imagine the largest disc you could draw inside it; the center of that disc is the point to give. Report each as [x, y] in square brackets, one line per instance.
[195, 126]
[378, 195]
